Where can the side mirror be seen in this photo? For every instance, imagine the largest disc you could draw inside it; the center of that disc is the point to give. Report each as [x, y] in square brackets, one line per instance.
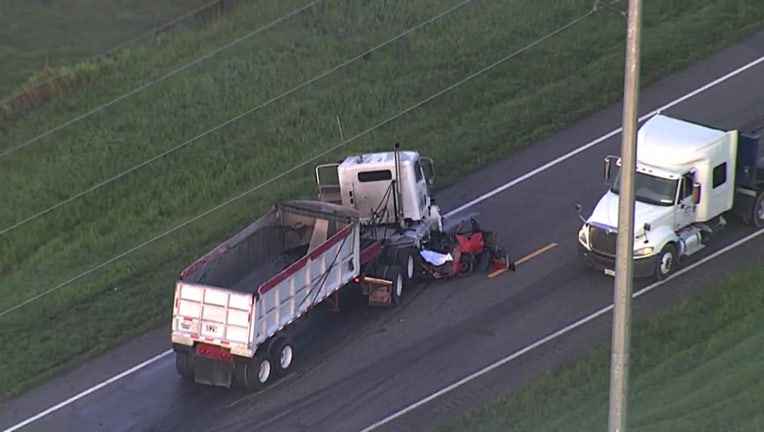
[578, 211]
[608, 168]
[696, 192]
[647, 227]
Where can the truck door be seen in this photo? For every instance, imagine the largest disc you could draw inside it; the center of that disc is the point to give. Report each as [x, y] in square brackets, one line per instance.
[684, 213]
[328, 181]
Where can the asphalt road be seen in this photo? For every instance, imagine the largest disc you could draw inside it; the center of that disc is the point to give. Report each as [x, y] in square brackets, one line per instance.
[364, 364]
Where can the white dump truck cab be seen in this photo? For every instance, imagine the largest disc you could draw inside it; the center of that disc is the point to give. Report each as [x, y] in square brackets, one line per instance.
[385, 188]
[685, 182]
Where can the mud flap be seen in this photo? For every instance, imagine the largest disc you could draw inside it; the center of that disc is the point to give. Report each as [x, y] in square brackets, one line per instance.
[380, 291]
[213, 372]
[380, 295]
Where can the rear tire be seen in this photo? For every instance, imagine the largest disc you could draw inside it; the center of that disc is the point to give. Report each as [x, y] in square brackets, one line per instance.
[468, 265]
[282, 356]
[394, 274]
[406, 259]
[258, 372]
[484, 261]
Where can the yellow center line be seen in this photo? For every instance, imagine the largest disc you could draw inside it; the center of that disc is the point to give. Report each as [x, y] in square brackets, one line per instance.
[535, 253]
[531, 255]
[528, 257]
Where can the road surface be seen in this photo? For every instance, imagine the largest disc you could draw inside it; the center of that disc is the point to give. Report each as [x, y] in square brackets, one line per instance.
[363, 364]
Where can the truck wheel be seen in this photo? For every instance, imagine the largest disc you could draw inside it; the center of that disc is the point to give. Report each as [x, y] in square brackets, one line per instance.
[258, 372]
[758, 211]
[184, 365]
[394, 274]
[282, 356]
[406, 259]
[666, 262]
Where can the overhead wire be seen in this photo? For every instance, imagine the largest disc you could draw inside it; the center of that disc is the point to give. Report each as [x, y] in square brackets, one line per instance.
[114, 49]
[343, 143]
[162, 78]
[233, 119]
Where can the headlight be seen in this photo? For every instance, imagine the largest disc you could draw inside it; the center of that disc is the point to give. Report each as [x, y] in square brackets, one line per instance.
[643, 251]
[582, 235]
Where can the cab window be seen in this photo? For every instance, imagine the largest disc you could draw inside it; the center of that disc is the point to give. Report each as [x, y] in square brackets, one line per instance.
[418, 173]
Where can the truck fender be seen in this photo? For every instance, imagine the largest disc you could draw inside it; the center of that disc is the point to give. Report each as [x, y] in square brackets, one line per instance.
[660, 237]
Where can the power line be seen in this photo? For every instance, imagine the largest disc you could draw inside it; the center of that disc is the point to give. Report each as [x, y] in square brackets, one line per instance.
[114, 49]
[303, 164]
[161, 79]
[232, 120]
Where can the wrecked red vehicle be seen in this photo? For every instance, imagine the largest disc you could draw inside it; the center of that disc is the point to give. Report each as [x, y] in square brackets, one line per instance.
[463, 252]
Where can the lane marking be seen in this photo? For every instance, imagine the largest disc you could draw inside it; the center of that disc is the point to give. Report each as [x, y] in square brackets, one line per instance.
[558, 333]
[605, 137]
[93, 389]
[530, 256]
[536, 253]
[495, 273]
[475, 201]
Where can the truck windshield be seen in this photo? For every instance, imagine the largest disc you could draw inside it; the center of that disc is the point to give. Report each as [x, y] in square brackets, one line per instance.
[650, 189]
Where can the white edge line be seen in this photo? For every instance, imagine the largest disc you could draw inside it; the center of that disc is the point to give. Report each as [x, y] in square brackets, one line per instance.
[603, 310]
[599, 140]
[93, 389]
[475, 201]
[558, 333]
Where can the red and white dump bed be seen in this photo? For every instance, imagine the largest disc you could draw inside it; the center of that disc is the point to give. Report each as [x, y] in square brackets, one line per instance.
[265, 277]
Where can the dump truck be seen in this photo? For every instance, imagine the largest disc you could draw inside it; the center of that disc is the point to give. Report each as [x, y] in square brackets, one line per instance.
[689, 177]
[235, 305]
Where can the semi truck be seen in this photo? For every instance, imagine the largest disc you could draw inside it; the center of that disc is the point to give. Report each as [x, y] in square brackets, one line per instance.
[689, 178]
[235, 305]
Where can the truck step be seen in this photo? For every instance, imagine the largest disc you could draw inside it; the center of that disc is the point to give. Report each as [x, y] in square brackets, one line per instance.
[694, 249]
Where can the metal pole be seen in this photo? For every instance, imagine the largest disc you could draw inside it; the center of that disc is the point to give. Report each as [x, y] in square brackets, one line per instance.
[619, 373]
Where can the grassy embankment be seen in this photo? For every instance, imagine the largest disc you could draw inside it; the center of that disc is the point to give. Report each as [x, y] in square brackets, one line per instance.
[696, 368]
[66, 33]
[515, 104]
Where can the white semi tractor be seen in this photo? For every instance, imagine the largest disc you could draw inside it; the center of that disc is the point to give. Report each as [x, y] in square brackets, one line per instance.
[234, 306]
[688, 178]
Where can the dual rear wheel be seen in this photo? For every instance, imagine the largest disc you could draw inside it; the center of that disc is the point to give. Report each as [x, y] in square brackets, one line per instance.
[266, 365]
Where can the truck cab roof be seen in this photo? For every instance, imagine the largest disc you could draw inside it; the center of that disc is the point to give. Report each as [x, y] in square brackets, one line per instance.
[378, 160]
[674, 144]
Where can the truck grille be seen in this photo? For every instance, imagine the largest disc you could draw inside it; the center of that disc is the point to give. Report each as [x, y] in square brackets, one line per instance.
[602, 241]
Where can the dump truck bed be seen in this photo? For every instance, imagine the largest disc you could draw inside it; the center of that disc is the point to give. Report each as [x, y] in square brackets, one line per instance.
[267, 275]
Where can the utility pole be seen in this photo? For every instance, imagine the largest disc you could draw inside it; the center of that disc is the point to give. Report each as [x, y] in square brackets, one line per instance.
[619, 372]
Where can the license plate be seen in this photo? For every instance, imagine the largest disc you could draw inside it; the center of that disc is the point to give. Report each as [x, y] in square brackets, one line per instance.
[610, 272]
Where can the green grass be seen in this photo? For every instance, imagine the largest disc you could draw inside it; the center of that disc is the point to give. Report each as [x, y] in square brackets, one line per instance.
[697, 368]
[515, 104]
[67, 32]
